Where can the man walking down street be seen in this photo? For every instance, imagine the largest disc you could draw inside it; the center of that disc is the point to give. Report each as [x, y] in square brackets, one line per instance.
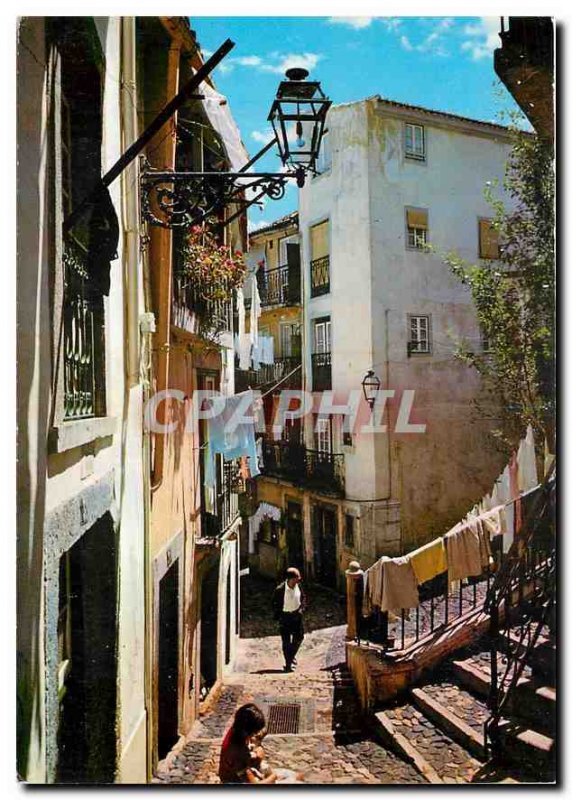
[289, 604]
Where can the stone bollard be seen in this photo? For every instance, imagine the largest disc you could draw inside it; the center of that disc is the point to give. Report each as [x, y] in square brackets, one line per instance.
[354, 587]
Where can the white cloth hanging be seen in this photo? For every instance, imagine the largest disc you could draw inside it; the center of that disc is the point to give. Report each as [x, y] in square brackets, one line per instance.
[255, 309]
[264, 511]
[241, 313]
[245, 347]
[526, 460]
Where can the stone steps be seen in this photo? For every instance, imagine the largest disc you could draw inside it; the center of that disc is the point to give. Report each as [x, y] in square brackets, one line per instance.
[435, 754]
[542, 657]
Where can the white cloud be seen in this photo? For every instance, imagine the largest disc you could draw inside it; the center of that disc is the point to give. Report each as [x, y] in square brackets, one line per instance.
[306, 60]
[248, 61]
[263, 136]
[392, 23]
[275, 62]
[483, 38]
[254, 226]
[353, 22]
[433, 41]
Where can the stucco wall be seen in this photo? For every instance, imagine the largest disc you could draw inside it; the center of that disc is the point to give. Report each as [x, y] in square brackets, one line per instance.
[417, 483]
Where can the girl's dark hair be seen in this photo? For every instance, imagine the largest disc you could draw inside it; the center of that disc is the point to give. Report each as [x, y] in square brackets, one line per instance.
[248, 720]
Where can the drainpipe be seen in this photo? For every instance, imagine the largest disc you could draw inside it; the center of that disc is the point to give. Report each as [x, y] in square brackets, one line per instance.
[130, 194]
[137, 373]
[160, 247]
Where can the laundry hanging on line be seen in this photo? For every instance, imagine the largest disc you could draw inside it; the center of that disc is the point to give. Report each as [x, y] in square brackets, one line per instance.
[230, 439]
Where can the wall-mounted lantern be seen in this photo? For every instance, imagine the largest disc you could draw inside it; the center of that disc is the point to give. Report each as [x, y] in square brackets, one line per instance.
[370, 386]
[174, 199]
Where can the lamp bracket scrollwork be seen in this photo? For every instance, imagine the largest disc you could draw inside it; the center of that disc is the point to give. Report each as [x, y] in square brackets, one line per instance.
[172, 199]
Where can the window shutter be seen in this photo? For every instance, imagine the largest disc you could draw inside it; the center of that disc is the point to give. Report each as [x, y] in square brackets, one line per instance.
[319, 240]
[416, 218]
[488, 240]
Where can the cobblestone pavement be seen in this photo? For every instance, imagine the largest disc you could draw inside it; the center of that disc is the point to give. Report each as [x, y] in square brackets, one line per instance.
[332, 745]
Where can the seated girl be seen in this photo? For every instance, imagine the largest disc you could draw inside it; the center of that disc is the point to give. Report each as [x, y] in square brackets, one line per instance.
[242, 757]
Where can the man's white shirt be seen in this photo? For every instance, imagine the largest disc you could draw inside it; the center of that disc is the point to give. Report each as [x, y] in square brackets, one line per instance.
[292, 599]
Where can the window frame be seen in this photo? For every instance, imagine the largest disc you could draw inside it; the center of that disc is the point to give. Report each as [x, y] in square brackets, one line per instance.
[416, 229]
[429, 328]
[411, 155]
[489, 221]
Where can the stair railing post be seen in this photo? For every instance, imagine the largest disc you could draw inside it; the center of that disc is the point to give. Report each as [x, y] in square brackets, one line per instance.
[354, 595]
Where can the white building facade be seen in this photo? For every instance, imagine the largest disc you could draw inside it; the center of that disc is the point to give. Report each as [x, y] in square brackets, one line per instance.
[394, 179]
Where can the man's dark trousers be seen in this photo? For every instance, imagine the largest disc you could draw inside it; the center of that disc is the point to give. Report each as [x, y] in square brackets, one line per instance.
[292, 633]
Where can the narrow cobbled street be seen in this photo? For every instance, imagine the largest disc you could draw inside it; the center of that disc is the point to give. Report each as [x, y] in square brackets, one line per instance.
[331, 744]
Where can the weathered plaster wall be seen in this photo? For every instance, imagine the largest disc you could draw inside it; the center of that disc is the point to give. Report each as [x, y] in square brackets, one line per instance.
[341, 196]
[439, 474]
[34, 92]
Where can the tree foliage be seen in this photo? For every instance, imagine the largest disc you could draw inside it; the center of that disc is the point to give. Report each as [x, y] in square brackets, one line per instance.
[514, 297]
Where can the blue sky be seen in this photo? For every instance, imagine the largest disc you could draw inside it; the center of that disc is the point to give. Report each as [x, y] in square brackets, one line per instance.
[444, 63]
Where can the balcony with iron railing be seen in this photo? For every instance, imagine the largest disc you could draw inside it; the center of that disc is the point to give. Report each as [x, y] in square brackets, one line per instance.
[279, 287]
[321, 371]
[320, 276]
[84, 342]
[285, 371]
[318, 470]
[225, 507]
[195, 312]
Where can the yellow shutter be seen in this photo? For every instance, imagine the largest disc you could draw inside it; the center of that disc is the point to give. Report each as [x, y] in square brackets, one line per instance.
[416, 218]
[319, 240]
[488, 240]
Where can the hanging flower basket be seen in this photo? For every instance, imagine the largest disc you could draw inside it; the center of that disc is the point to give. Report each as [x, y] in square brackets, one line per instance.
[213, 270]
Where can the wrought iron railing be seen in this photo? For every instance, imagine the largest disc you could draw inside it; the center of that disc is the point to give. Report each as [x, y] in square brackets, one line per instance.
[316, 469]
[321, 371]
[84, 329]
[439, 605]
[226, 510]
[196, 311]
[273, 286]
[320, 276]
[286, 371]
[521, 599]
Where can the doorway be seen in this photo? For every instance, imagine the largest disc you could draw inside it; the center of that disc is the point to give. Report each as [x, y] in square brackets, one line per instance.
[325, 546]
[87, 659]
[209, 629]
[294, 536]
[168, 684]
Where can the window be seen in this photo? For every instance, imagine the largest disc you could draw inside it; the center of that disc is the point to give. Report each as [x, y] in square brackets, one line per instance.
[290, 339]
[419, 334]
[324, 162]
[269, 531]
[349, 539]
[417, 226]
[322, 332]
[347, 439]
[90, 245]
[415, 142]
[319, 259]
[321, 356]
[323, 434]
[488, 240]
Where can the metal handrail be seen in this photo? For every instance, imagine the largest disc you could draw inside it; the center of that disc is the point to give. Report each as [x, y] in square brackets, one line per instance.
[528, 574]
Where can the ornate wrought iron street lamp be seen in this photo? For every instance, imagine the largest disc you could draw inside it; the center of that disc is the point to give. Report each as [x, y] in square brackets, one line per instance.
[298, 116]
[370, 386]
[174, 199]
